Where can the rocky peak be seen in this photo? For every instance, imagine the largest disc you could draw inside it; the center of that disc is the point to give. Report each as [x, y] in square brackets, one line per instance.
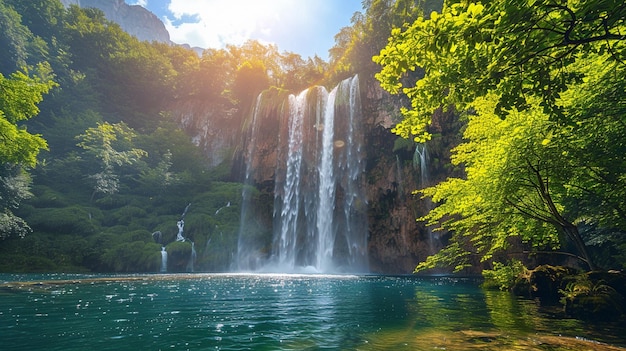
[133, 19]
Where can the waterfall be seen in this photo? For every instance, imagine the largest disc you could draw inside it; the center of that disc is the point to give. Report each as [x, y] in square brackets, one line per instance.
[320, 207]
[326, 191]
[181, 225]
[192, 258]
[289, 211]
[350, 229]
[420, 157]
[163, 260]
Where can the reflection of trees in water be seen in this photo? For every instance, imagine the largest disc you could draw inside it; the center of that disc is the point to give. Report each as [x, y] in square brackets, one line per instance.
[506, 312]
[520, 316]
[446, 306]
[466, 317]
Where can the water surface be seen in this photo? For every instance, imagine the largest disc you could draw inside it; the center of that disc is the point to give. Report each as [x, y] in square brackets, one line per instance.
[281, 312]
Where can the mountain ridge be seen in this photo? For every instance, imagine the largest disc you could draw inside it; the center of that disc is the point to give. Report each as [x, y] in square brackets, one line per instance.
[133, 19]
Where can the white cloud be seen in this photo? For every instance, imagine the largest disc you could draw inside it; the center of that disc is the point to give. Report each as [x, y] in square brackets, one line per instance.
[143, 3]
[220, 22]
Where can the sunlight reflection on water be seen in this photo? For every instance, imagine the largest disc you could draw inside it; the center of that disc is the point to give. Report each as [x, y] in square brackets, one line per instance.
[280, 312]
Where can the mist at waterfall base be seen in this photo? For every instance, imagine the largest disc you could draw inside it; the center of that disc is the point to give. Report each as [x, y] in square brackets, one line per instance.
[320, 209]
[281, 312]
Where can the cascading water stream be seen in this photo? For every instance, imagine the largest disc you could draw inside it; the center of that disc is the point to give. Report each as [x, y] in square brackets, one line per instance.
[355, 204]
[192, 258]
[326, 194]
[181, 225]
[291, 189]
[319, 214]
[163, 260]
[421, 157]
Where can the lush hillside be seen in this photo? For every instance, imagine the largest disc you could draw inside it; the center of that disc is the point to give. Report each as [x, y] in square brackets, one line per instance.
[113, 164]
[117, 167]
[103, 147]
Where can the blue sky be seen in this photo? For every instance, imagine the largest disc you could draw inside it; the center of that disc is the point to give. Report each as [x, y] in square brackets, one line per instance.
[306, 27]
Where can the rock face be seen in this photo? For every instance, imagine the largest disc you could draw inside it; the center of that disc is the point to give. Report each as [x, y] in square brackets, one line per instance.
[396, 242]
[133, 19]
[214, 128]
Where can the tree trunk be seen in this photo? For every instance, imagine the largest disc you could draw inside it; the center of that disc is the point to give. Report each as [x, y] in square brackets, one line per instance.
[571, 231]
[555, 217]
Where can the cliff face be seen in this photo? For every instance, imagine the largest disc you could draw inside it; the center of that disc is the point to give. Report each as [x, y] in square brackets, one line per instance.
[396, 241]
[214, 128]
[133, 19]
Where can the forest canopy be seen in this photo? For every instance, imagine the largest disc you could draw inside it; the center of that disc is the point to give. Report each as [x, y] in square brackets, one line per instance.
[87, 128]
[113, 162]
[538, 87]
[541, 88]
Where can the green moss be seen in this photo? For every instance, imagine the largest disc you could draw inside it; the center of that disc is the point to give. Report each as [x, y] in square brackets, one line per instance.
[178, 255]
[136, 256]
[402, 144]
[69, 220]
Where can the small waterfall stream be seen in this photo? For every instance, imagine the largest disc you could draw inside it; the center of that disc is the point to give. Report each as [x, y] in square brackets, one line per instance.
[326, 189]
[163, 260]
[421, 158]
[320, 209]
[192, 258]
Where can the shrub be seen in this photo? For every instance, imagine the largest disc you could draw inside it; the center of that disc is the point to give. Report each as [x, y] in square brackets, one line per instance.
[136, 256]
[503, 276]
[67, 220]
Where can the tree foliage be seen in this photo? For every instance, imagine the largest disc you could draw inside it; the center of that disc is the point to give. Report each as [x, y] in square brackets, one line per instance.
[542, 87]
[19, 96]
[355, 45]
[516, 49]
[511, 189]
[111, 145]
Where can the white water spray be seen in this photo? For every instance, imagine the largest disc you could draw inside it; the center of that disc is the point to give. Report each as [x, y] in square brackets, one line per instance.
[320, 220]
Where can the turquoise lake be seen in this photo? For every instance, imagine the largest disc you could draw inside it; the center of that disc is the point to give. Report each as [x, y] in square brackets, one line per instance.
[281, 312]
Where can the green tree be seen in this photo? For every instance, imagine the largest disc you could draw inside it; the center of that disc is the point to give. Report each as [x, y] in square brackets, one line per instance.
[19, 46]
[355, 45]
[111, 146]
[592, 142]
[42, 17]
[531, 177]
[514, 187]
[251, 78]
[19, 96]
[517, 49]
[555, 72]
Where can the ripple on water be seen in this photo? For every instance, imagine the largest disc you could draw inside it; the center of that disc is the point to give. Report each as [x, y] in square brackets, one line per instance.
[278, 311]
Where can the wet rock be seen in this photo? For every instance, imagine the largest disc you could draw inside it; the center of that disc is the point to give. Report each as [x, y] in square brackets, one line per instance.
[544, 283]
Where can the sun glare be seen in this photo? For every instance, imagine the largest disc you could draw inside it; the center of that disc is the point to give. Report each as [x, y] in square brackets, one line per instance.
[219, 22]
